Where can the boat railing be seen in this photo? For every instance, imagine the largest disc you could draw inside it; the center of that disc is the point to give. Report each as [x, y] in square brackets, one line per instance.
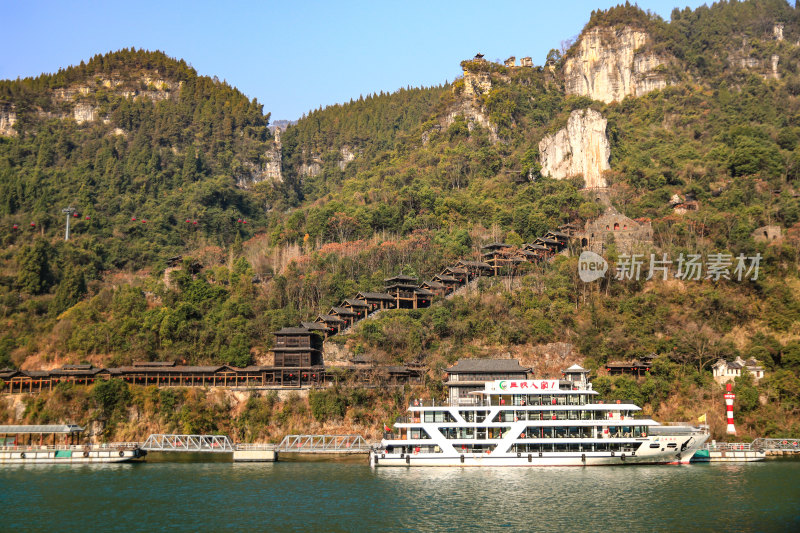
[71, 447]
[730, 446]
[426, 403]
[407, 420]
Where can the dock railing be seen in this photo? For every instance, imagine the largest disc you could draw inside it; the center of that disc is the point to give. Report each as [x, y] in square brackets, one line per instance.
[323, 444]
[730, 447]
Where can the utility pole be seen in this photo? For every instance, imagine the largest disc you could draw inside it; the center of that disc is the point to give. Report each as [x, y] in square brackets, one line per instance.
[68, 211]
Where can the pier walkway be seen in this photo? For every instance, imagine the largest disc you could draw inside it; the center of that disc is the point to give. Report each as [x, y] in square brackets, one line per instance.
[343, 444]
[188, 443]
[777, 446]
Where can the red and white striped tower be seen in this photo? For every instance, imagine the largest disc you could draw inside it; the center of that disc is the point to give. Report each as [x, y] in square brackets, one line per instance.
[729, 397]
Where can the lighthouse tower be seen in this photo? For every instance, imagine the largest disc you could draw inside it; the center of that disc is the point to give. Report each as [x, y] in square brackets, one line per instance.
[729, 397]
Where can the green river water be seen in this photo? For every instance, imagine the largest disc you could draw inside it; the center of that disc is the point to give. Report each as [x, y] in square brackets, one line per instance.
[349, 496]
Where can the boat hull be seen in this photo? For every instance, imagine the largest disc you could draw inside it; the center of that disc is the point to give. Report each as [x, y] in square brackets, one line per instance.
[643, 455]
[483, 460]
[70, 457]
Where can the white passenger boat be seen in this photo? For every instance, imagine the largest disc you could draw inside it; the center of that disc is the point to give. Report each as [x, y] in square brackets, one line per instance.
[534, 423]
[58, 444]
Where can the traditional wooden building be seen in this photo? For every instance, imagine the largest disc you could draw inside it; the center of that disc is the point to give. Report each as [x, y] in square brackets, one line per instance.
[496, 255]
[554, 246]
[459, 273]
[332, 323]
[536, 252]
[424, 297]
[558, 236]
[437, 288]
[569, 229]
[406, 292]
[359, 307]
[632, 368]
[317, 327]
[476, 269]
[84, 373]
[470, 375]
[297, 347]
[450, 282]
[377, 300]
[345, 314]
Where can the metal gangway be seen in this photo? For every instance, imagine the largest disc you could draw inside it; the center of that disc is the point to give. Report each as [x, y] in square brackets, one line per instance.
[777, 445]
[188, 443]
[323, 444]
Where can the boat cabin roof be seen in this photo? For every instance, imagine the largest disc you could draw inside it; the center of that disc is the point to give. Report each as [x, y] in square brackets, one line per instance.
[44, 428]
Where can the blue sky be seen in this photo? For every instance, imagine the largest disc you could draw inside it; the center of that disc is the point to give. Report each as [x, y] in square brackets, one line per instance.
[297, 56]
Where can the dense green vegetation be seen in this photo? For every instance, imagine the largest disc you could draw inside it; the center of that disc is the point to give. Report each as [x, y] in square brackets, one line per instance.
[426, 185]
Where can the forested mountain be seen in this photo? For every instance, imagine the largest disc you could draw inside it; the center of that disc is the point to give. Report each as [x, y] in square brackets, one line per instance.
[700, 117]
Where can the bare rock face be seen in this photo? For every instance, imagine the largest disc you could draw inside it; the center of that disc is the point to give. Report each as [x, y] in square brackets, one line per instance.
[473, 114]
[314, 168]
[8, 117]
[84, 113]
[347, 155]
[270, 170]
[468, 105]
[476, 83]
[579, 149]
[608, 68]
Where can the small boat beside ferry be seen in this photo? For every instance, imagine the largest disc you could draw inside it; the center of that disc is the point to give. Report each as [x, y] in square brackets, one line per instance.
[545, 422]
[59, 444]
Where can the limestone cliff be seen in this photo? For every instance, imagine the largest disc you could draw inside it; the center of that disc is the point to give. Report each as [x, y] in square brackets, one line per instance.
[8, 117]
[608, 65]
[469, 103]
[579, 149]
[270, 170]
[79, 95]
[312, 163]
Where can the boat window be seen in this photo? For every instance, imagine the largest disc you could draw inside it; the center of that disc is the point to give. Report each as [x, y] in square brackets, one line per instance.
[437, 416]
[545, 399]
[672, 445]
[655, 445]
[418, 433]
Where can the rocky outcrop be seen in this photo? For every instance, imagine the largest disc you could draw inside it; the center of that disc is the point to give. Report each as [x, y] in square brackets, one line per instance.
[149, 86]
[579, 149]
[270, 170]
[8, 117]
[473, 114]
[607, 65]
[314, 168]
[312, 165]
[476, 83]
[347, 155]
[469, 104]
[745, 58]
[84, 113]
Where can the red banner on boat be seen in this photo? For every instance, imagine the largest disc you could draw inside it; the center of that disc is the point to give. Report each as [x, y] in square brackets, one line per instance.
[522, 386]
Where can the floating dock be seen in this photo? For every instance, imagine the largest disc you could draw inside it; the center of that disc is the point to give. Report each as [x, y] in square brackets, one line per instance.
[255, 453]
[729, 452]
